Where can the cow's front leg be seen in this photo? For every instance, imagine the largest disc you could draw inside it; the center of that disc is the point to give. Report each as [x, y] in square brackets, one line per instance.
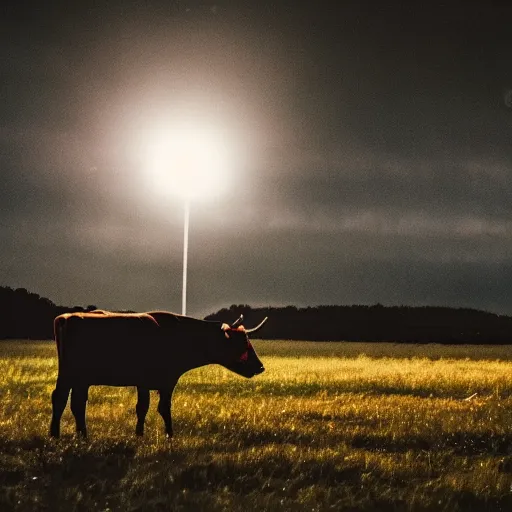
[141, 409]
[79, 396]
[164, 408]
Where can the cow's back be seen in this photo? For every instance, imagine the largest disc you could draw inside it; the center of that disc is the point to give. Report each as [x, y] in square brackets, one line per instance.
[112, 349]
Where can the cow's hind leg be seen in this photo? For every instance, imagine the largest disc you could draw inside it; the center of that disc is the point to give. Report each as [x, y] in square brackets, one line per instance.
[79, 396]
[164, 408]
[141, 409]
[59, 400]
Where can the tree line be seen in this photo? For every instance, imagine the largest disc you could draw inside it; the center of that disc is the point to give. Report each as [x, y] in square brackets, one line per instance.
[30, 316]
[375, 323]
[27, 315]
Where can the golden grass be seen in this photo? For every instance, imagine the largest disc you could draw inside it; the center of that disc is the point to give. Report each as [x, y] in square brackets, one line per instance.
[328, 426]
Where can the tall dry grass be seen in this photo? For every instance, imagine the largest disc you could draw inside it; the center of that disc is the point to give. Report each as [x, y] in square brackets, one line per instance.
[328, 426]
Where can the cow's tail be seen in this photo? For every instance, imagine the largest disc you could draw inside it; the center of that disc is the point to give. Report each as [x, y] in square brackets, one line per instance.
[59, 326]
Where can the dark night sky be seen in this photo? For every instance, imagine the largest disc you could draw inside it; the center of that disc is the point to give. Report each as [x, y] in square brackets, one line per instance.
[374, 153]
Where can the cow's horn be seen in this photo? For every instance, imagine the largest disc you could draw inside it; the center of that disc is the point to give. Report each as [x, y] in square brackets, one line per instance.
[237, 321]
[258, 327]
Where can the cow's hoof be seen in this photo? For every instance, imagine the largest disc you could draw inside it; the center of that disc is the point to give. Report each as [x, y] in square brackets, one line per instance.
[54, 431]
[139, 431]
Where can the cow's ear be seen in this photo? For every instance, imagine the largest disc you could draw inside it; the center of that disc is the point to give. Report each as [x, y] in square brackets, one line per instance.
[226, 328]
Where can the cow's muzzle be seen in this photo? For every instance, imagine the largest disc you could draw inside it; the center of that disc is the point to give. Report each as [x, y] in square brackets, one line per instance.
[259, 370]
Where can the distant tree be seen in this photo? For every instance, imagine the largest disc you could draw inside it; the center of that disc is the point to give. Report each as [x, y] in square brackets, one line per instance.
[376, 323]
[28, 315]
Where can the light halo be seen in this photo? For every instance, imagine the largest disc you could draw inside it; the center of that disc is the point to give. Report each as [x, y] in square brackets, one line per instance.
[189, 160]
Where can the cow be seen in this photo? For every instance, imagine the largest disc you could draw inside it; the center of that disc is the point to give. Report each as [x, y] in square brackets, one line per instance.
[148, 350]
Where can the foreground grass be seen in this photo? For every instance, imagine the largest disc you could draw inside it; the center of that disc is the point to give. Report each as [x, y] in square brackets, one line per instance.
[341, 426]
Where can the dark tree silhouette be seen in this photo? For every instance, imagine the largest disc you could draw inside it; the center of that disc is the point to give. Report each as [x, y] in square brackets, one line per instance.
[377, 323]
[27, 315]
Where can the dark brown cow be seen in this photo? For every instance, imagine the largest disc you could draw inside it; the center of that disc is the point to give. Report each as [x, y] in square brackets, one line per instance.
[147, 350]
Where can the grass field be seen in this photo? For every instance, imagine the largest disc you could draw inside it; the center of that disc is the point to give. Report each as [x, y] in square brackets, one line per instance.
[328, 426]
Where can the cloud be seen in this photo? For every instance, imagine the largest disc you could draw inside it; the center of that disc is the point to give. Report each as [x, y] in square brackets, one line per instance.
[376, 155]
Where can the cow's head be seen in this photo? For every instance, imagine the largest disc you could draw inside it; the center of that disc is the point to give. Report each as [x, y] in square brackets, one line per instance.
[242, 358]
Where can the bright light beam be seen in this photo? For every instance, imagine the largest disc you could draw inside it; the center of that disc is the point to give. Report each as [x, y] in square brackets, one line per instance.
[185, 258]
[191, 162]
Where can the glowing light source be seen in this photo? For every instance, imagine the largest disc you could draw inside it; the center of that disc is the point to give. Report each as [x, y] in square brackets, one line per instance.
[189, 161]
